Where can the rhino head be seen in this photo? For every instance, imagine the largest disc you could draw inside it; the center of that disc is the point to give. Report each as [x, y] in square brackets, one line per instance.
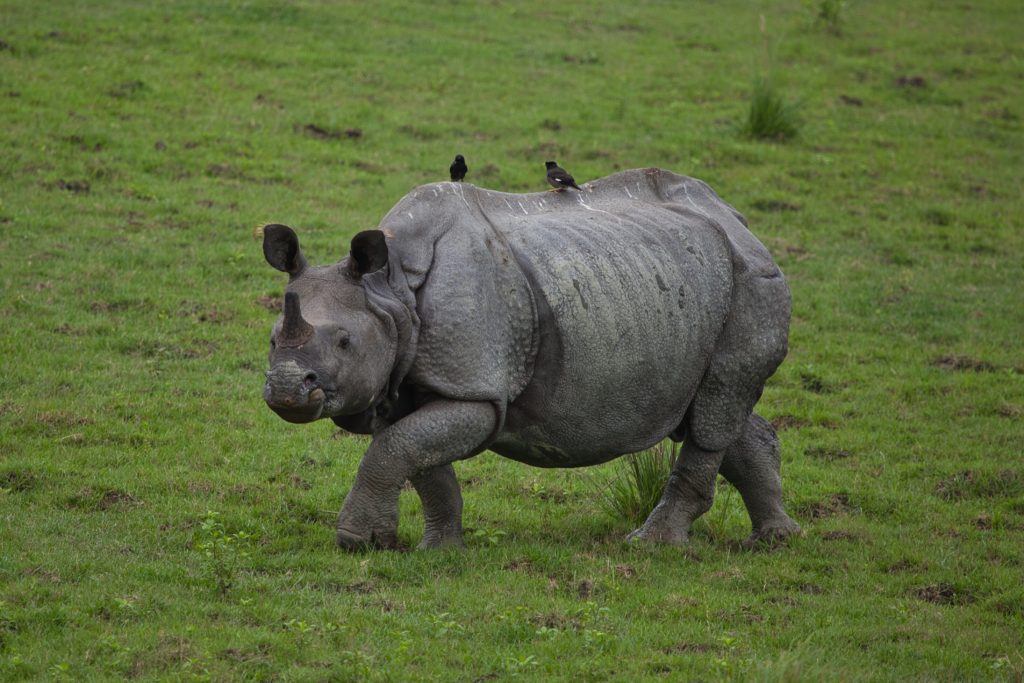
[333, 350]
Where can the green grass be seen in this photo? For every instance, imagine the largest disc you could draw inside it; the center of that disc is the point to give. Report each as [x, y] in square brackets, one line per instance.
[143, 142]
[770, 117]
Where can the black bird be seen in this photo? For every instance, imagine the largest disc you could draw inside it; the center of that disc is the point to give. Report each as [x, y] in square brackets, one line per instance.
[559, 178]
[458, 169]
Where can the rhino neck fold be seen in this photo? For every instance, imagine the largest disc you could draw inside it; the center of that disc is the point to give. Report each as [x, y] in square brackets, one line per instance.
[389, 298]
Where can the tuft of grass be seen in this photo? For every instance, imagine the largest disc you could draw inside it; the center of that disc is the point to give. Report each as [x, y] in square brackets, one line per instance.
[770, 117]
[639, 482]
[829, 14]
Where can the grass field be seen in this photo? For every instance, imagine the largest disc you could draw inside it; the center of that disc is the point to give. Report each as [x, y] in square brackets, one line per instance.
[159, 522]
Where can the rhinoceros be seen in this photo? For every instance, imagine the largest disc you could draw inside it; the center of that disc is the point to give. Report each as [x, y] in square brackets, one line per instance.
[559, 330]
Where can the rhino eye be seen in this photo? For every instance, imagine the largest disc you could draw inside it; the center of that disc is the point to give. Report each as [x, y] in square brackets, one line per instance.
[273, 344]
[343, 340]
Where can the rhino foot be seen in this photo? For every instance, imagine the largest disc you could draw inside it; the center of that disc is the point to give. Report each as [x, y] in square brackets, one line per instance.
[659, 534]
[440, 542]
[354, 541]
[773, 534]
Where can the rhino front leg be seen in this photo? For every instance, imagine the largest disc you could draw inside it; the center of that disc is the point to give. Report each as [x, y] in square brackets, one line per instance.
[688, 495]
[442, 507]
[436, 435]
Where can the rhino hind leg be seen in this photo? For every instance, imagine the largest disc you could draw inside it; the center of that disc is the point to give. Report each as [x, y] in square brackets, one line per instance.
[688, 495]
[751, 464]
[439, 492]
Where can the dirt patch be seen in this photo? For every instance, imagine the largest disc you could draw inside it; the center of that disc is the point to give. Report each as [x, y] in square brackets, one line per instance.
[697, 648]
[115, 498]
[1010, 410]
[83, 145]
[556, 621]
[75, 186]
[519, 565]
[92, 499]
[18, 481]
[840, 535]
[274, 304]
[488, 171]
[836, 504]
[851, 101]
[299, 483]
[784, 422]
[774, 205]
[820, 453]
[962, 363]
[208, 314]
[115, 306]
[973, 484]
[585, 589]
[943, 594]
[589, 58]
[261, 653]
[903, 566]
[814, 384]
[315, 131]
[913, 82]
[625, 571]
[62, 420]
[126, 89]
[369, 167]
[321, 133]
[170, 652]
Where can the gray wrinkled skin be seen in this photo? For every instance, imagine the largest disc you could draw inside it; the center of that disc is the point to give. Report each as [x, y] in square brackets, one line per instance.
[560, 330]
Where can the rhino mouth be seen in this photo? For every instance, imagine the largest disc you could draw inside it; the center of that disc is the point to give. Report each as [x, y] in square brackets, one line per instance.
[300, 411]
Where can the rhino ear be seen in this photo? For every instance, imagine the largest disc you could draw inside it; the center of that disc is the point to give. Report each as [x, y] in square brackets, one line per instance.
[368, 253]
[281, 248]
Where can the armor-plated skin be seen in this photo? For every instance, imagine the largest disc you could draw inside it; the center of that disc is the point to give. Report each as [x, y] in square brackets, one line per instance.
[560, 330]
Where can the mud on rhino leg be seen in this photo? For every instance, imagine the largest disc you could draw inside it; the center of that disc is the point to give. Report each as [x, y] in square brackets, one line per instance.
[688, 495]
[430, 438]
[442, 507]
[752, 465]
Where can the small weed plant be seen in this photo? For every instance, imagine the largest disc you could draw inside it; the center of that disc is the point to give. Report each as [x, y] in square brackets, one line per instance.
[770, 117]
[224, 551]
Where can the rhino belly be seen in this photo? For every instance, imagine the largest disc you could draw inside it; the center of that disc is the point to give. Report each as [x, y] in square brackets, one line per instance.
[628, 318]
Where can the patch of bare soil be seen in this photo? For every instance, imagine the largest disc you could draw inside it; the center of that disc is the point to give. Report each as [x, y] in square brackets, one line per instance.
[851, 101]
[321, 133]
[820, 453]
[836, 504]
[274, 304]
[943, 594]
[962, 363]
[774, 205]
[519, 565]
[685, 647]
[911, 82]
[75, 186]
[784, 422]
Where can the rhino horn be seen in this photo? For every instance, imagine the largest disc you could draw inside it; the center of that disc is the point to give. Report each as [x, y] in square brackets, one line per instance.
[295, 331]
